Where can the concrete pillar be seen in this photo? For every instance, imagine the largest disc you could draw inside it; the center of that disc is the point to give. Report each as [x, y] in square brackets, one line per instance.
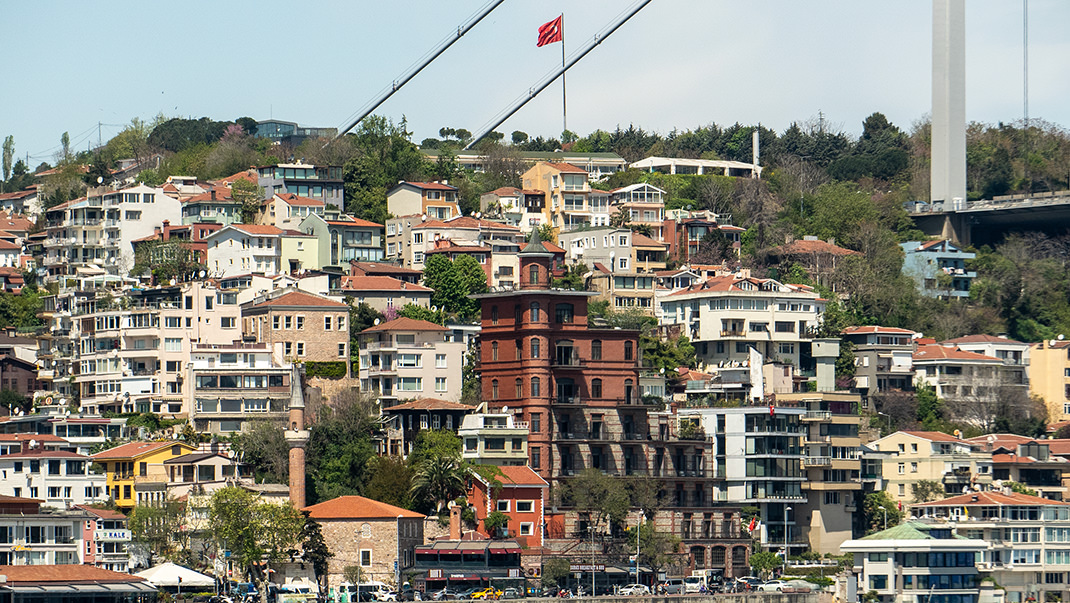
[948, 176]
[297, 475]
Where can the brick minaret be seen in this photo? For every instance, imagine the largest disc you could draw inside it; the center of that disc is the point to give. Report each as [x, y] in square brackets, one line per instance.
[297, 438]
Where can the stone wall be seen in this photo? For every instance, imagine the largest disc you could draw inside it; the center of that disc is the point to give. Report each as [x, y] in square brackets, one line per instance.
[347, 538]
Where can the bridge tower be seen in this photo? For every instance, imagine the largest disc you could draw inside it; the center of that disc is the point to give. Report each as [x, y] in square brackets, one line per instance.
[948, 175]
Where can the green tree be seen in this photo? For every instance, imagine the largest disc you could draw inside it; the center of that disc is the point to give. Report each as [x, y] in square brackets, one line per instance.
[437, 481]
[314, 548]
[573, 278]
[495, 522]
[160, 529]
[9, 153]
[656, 549]
[65, 146]
[257, 533]
[926, 491]
[250, 195]
[416, 312]
[1020, 488]
[554, 571]
[263, 446]
[765, 562]
[166, 260]
[602, 499]
[876, 507]
[391, 481]
[453, 282]
[340, 445]
[434, 444]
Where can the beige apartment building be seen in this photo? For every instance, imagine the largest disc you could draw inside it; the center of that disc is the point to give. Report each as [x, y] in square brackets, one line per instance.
[568, 204]
[299, 326]
[1049, 376]
[407, 359]
[917, 456]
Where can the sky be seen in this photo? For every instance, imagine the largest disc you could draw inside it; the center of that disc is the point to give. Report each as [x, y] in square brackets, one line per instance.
[678, 64]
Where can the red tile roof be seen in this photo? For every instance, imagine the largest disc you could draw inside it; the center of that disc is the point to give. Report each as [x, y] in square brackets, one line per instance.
[999, 439]
[17, 194]
[429, 404]
[101, 513]
[297, 200]
[721, 284]
[133, 450]
[990, 498]
[300, 299]
[383, 268]
[934, 436]
[405, 324]
[522, 475]
[929, 244]
[451, 247]
[22, 575]
[222, 195]
[257, 229]
[876, 329]
[465, 222]
[982, 339]
[249, 175]
[566, 167]
[506, 191]
[351, 221]
[807, 247]
[553, 248]
[379, 283]
[940, 352]
[45, 453]
[357, 507]
[14, 223]
[430, 186]
[25, 437]
[641, 240]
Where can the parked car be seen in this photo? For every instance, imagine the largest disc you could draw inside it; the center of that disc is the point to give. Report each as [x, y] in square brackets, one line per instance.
[800, 586]
[774, 586]
[512, 593]
[487, 593]
[673, 586]
[446, 594]
[631, 590]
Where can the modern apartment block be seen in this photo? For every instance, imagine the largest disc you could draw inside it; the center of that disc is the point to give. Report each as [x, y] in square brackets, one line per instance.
[316, 182]
[644, 204]
[934, 457]
[107, 536]
[409, 238]
[407, 359]
[1027, 539]
[516, 207]
[494, 439]
[95, 233]
[232, 384]
[938, 268]
[568, 192]
[287, 210]
[622, 264]
[343, 239]
[969, 379]
[34, 535]
[883, 358]
[435, 200]
[57, 478]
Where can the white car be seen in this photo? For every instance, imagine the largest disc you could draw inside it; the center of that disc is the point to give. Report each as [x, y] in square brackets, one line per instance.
[632, 590]
[773, 586]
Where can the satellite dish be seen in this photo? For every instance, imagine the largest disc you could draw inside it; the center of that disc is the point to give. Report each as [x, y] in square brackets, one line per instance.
[33, 444]
[1061, 337]
[100, 179]
[173, 281]
[202, 273]
[376, 322]
[1051, 342]
[63, 401]
[505, 409]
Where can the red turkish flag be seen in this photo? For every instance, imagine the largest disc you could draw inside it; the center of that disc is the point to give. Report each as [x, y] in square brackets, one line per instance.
[550, 32]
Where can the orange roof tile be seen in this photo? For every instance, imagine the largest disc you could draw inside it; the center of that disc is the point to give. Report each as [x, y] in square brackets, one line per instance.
[133, 450]
[433, 186]
[300, 299]
[982, 339]
[20, 575]
[940, 352]
[429, 404]
[465, 222]
[379, 283]
[298, 200]
[520, 475]
[641, 240]
[505, 191]
[934, 436]
[405, 324]
[257, 229]
[872, 329]
[808, 246]
[990, 498]
[566, 167]
[351, 221]
[101, 513]
[357, 507]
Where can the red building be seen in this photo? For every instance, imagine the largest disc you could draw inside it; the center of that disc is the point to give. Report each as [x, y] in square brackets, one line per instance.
[575, 386]
[518, 492]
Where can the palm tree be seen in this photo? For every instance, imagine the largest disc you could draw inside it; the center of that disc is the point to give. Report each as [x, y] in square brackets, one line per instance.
[439, 479]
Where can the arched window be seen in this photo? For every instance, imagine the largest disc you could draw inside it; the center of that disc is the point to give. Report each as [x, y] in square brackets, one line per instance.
[596, 349]
[536, 347]
[494, 350]
[628, 352]
[533, 274]
[518, 347]
[629, 391]
[519, 388]
[494, 389]
[535, 312]
[596, 388]
[536, 385]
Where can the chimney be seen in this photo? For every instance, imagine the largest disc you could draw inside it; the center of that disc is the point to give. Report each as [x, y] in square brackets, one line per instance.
[166, 224]
[455, 522]
[213, 195]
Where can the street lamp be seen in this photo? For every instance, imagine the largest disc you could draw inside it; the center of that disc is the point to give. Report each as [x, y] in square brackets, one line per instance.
[591, 527]
[885, 509]
[638, 534]
[397, 560]
[888, 419]
[786, 509]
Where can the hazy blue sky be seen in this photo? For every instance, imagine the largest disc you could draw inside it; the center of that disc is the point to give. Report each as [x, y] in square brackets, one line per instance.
[678, 63]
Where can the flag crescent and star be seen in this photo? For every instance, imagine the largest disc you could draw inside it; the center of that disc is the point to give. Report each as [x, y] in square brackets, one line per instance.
[550, 32]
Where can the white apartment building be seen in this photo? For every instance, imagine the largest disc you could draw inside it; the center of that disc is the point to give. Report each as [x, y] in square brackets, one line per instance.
[1027, 539]
[244, 248]
[406, 359]
[410, 238]
[232, 384]
[643, 203]
[57, 478]
[726, 316]
[287, 210]
[31, 535]
[97, 231]
[494, 439]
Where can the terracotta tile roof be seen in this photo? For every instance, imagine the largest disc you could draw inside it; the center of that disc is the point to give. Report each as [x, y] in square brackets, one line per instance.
[990, 498]
[807, 247]
[4, 498]
[934, 436]
[687, 374]
[132, 450]
[17, 194]
[430, 186]
[465, 222]
[25, 437]
[505, 191]
[20, 575]
[641, 240]
[357, 507]
[1007, 458]
[379, 283]
[552, 248]
[300, 299]
[450, 246]
[566, 167]
[297, 200]
[929, 244]
[982, 339]
[405, 324]
[1000, 440]
[45, 453]
[351, 221]
[719, 284]
[101, 513]
[429, 404]
[14, 223]
[222, 195]
[257, 229]
[599, 266]
[520, 475]
[249, 175]
[940, 352]
[373, 268]
[873, 329]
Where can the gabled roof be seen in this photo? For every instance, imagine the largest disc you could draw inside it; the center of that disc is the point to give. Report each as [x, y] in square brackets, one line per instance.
[941, 352]
[989, 498]
[351, 221]
[505, 191]
[300, 299]
[910, 530]
[465, 222]
[382, 268]
[721, 284]
[566, 167]
[935, 436]
[222, 195]
[297, 200]
[429, 186]
[805, 247]
[379, 283]
[101, 513]
[18, 194]
[357, 507]
[134, 450]
[429, 404]
[516, 475]
[984, 339]
[451, 247]
[405, 324]
[20, 575]
[255, 229]
[641, 240]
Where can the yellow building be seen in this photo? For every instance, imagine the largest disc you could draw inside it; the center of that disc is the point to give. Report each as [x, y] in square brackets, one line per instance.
[299, 252]
[1049, 377]
[568, 204]
[918, 456]
[138, 464]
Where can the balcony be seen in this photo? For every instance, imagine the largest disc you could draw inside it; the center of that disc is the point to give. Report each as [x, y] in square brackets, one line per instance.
[817, 461]
[732, 333]
[568, 401]
[817, 415]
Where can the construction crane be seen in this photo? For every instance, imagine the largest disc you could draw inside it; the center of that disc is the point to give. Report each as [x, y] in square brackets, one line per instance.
[431, 56]
[535, 90]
